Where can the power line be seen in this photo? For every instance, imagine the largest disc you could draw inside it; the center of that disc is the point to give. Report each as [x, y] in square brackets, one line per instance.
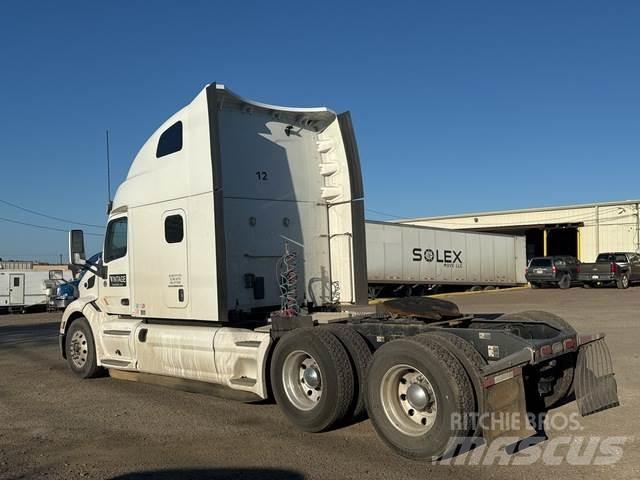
[384, 214]
[44, 227]
[64, 220]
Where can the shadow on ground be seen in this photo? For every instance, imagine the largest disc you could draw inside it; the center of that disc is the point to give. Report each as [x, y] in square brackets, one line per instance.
[214, 474]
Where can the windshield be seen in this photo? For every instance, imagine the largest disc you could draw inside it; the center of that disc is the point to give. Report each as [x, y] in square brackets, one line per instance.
[611, 257]
[540, 262]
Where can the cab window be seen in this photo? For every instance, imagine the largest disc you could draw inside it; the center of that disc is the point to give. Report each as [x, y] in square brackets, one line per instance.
[173, 229]
[115, 244]
[170, 141]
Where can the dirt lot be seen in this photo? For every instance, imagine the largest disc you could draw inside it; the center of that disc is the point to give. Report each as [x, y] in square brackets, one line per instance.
[55, 426]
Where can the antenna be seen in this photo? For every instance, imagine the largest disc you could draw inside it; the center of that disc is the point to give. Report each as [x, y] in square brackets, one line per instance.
[109, 203]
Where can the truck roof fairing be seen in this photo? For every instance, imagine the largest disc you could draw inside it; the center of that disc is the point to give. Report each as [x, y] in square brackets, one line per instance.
[315, 118]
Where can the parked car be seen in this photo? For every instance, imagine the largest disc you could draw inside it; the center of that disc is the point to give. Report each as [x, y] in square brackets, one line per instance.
[618, 268]
[557, 270]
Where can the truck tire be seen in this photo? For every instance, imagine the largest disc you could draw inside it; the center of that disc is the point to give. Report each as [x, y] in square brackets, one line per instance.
[312, 378]
[374, 292]
[80, 349]
[415, 387]
[539, 316]
[535, 285]
[473, 364]
[564, 383]
[587, 285]
[623, 281]
[563, 386]
[360, 356]
[565, 281]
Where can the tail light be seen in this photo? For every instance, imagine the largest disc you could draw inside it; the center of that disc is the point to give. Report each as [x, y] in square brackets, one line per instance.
[614, 267]
[554, 269]
[578, 269]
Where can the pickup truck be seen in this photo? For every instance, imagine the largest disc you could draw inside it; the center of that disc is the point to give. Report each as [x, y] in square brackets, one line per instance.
[556, 270]
[617, 268]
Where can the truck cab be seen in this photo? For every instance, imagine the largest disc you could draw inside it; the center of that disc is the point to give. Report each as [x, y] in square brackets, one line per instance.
[218, 199]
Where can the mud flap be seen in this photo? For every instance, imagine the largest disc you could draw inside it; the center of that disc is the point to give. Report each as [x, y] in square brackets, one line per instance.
[595, 384]
[506, 405]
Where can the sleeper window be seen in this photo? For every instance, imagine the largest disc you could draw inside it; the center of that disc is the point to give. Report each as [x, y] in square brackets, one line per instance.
[170, 141]
[173, 229]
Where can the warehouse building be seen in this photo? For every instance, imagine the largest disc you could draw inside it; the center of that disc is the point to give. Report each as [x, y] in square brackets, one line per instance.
[579, 230]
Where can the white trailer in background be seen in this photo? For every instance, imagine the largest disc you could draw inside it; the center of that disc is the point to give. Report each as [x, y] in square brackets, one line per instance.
[22, 289]
[414, 259]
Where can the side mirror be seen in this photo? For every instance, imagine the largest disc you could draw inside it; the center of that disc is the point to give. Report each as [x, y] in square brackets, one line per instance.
[76, 247]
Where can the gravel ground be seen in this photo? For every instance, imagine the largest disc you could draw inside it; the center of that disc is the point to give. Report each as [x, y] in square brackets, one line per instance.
[55, 426]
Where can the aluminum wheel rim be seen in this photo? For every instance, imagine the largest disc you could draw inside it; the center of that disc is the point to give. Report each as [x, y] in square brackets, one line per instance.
[400, 412]
[625, 281]
[302, 380]
[79, 349]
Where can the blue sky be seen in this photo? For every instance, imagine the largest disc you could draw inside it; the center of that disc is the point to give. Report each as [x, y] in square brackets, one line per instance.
[458, 106]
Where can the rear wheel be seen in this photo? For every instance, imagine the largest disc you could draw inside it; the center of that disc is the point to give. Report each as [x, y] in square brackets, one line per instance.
[565, 281]
[534, 285]
[312, 377]
[419, 397]
[471, 361]
[564, 380]
[374, 292]
[623, 281]
[539, 316]
[587, 285]
[360, 356]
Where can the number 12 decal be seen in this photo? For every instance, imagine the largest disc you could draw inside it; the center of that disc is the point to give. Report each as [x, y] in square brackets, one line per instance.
[262, 176]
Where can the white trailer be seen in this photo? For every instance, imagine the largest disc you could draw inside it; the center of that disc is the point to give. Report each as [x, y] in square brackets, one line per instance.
[23, 289]
[413, 257]
[235, 255]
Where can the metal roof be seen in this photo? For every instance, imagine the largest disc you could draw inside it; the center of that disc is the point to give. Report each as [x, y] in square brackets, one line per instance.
[522, 210]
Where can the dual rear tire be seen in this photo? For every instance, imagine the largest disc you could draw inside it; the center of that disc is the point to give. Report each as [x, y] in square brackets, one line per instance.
[420, 397]
[317, 376]
[421, 393]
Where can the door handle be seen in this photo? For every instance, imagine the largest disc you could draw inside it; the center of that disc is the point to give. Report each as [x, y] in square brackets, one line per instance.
[125, 302]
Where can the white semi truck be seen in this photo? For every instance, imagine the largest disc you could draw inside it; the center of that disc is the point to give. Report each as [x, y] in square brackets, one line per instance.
[235, 255]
